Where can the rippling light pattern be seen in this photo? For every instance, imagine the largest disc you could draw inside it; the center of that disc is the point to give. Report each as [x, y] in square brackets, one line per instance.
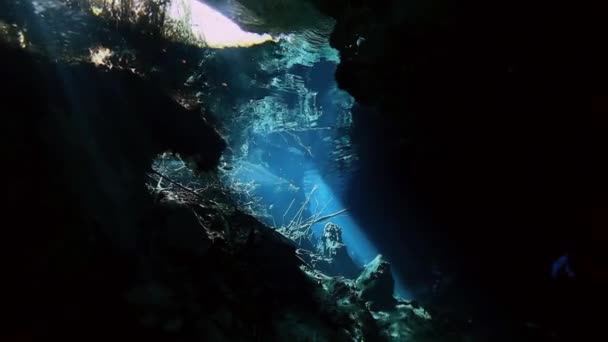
[213, 28]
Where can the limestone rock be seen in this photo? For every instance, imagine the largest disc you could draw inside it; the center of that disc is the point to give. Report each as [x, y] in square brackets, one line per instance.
[333, 258]
[376, 284]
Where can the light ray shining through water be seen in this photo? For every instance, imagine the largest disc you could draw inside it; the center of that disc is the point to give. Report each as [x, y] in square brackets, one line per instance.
[215, 29]
[328, 203]
[361, 250]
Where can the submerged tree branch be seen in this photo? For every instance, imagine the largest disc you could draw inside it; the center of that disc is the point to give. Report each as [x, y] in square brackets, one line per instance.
[327, 217]
[178, 185]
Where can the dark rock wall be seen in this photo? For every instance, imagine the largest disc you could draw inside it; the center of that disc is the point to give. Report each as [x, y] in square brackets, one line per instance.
[482, 138]
[77, 144]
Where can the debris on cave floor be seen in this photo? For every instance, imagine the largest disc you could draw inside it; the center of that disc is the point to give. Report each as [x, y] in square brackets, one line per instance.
[361, 305]
[358, 309]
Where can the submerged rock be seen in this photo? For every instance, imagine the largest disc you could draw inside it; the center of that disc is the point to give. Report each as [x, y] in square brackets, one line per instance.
[333, 258]
[376, 284]
[405, 322]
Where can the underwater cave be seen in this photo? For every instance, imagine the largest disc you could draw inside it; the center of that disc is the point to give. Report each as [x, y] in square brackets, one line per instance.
[304, 170]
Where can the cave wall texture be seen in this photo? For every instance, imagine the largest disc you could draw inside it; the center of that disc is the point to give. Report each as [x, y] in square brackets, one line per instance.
[481, 131]
[78, 145]
[482, 127]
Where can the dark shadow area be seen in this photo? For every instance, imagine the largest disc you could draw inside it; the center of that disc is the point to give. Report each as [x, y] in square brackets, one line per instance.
[482, 136]
[78, 142]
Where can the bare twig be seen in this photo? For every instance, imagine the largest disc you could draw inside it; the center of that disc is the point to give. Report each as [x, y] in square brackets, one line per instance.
[289, 208]
[299, 142]
[327, 217]
[178, 185]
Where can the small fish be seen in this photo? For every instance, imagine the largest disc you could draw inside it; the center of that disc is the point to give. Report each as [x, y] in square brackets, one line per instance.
[360, 41]
[562, 265]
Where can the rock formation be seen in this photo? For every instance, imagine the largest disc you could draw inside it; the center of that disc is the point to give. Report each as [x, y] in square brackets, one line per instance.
[333, 258]
[377, 285]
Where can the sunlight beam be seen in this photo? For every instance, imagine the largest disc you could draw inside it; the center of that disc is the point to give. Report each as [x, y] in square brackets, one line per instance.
[213, 28]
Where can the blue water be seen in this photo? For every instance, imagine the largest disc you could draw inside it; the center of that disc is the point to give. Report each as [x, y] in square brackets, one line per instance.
[326, 202]
[277, 163]
[325, 199]
[361, 250]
